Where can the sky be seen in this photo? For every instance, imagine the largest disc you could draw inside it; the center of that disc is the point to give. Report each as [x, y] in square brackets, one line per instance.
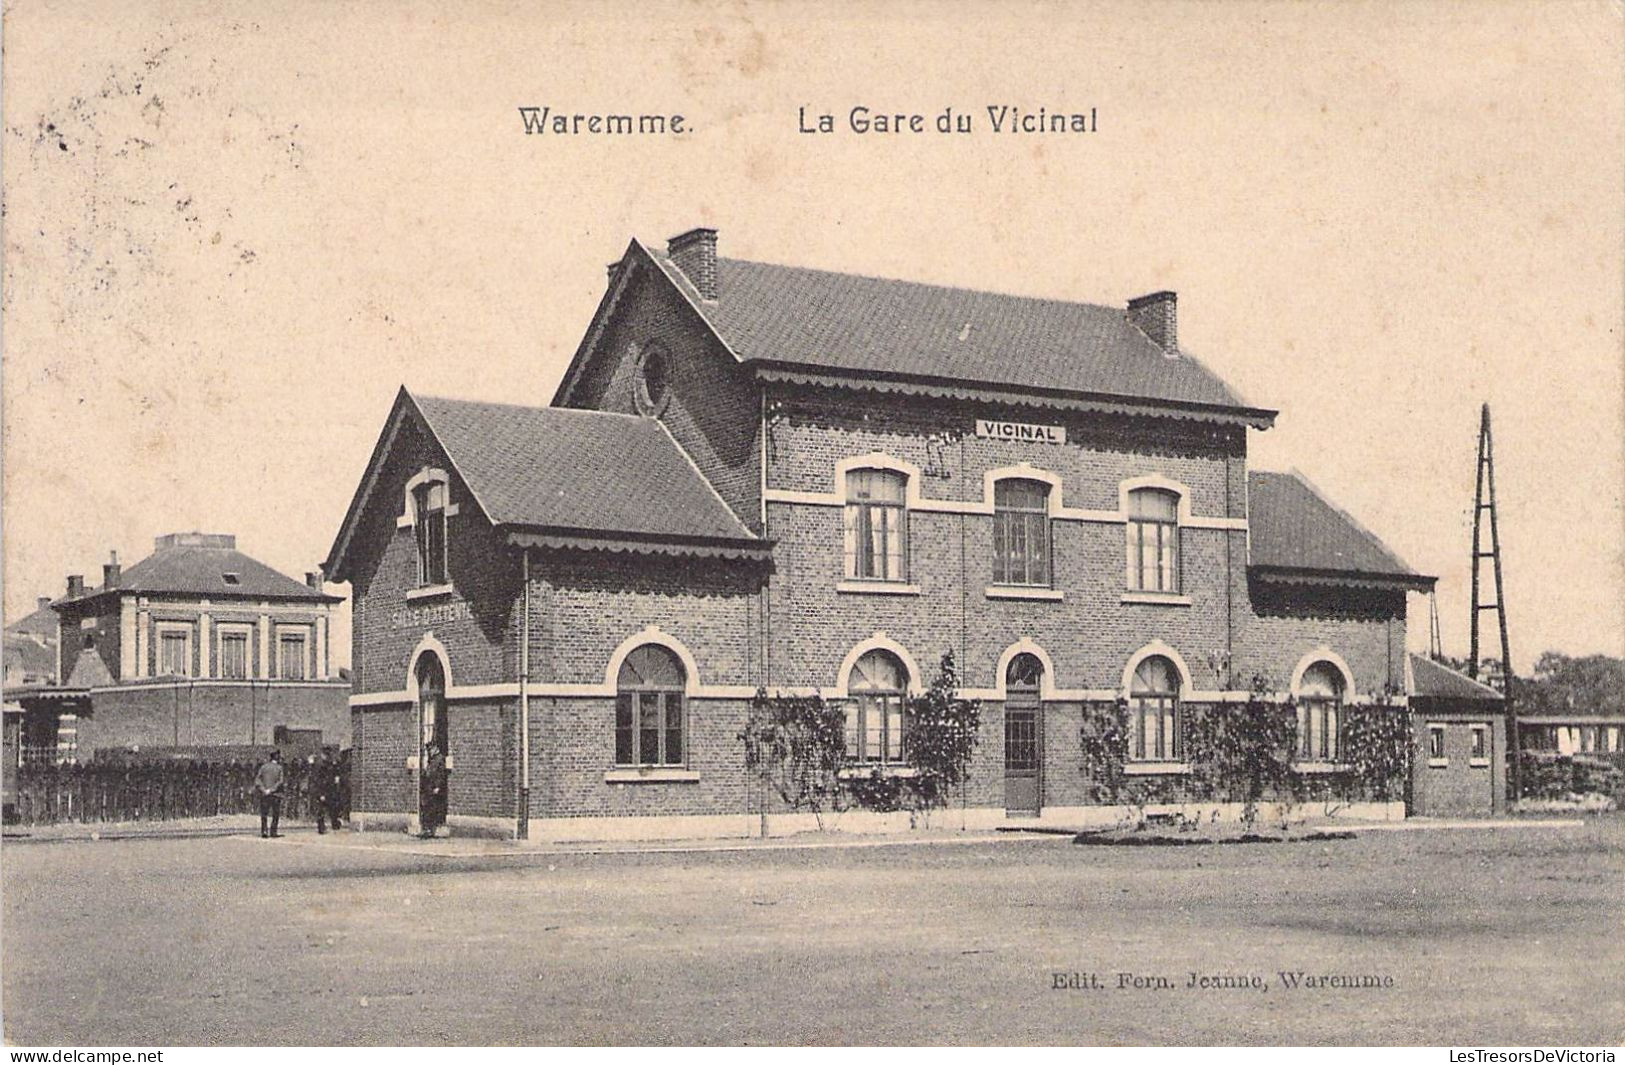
[232, 233]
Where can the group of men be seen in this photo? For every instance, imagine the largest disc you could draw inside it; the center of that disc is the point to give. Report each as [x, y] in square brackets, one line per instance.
[326, 792]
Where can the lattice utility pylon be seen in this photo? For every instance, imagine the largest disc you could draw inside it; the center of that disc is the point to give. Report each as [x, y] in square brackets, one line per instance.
[1435, 636]
[1481, 506]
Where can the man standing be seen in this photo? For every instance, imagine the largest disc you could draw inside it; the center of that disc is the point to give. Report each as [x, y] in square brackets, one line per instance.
[268, 782]
[328, 791]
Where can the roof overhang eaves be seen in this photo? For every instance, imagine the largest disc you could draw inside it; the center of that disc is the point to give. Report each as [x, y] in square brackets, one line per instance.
[595, 540]
[44, 693]
[882, 381]
[1346, 578]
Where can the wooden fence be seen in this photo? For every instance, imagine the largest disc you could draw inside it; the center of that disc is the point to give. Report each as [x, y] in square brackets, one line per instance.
[156, 791]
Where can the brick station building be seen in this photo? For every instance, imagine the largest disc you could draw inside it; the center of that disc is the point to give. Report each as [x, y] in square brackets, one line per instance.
[759, 476]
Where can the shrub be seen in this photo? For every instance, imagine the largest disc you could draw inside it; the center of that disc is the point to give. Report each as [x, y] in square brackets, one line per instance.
[795, 746]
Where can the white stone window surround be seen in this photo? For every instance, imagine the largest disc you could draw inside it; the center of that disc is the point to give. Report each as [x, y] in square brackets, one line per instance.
[426, 475]
[243, 629]
[1323, 654]
[160, 630]
[408, 520]
[307, 635]
[1183, 694]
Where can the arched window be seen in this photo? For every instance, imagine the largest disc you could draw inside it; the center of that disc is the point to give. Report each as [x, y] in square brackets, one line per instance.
[1320, 702]
[1024, 675]
[876, 525]
[874, 710]
[1153, 540]
[1154, 712]
[431, 698]
[1021, 541]
[649, 708]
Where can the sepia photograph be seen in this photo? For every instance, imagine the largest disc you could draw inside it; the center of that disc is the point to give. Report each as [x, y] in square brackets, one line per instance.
[807, 524]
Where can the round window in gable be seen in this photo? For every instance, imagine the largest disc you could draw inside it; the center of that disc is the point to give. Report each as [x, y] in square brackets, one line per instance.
[652, 391]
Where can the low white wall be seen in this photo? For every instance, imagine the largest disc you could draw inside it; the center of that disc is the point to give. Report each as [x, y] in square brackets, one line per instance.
[868, 822]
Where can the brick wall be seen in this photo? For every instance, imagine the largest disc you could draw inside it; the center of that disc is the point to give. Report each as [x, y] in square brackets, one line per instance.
[1367, 628]
[577, 748]
[164, 715]
[481, 739]
[585, 603]
[387, 626]
[809, 430]
[385, 737]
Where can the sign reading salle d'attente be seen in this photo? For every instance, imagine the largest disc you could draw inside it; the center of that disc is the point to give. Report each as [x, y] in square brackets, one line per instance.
[1038, 434]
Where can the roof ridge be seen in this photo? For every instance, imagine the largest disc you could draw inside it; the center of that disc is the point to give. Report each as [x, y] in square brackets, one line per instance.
[939, 286]
[420, 396]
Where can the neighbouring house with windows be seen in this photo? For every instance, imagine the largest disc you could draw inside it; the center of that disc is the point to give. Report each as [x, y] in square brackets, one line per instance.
[196, 645]
[768, 477]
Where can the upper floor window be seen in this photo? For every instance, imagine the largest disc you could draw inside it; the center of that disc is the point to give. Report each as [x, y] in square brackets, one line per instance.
[1154, 712]
[1153, 540]
[429, 525]
[291, 655]
[1320, 702]
[1021, 540]
[649, 708]
[876, 525]
[234, 654]
[174, 653]
[874, 712]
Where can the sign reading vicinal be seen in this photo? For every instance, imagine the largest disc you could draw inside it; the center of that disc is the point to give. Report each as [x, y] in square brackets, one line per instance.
[1038, 434]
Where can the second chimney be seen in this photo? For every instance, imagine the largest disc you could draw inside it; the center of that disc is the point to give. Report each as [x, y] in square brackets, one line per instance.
[44, 601]
[313, 578]
[695, 254]
[1157, 317]
[76, 585]
[110, 571]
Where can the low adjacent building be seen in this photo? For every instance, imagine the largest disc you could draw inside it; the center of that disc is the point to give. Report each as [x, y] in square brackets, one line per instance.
[197, 645]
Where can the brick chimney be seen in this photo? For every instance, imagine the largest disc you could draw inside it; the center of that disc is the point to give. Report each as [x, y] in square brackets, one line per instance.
[1157, 317]
[314, 579]
[110, 570]
[43, 602]
[76, 585]
[695, 254]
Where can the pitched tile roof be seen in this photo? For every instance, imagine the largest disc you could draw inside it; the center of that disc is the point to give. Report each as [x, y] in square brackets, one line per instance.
[1430, 680]
[198, 570]
[41, 621]
[29, 658]
[592, 471]
[847, 322]
[89, 671]
[1294, 527]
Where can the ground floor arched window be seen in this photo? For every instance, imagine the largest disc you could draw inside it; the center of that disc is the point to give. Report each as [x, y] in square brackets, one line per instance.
[1320, 705]
[1154, 725]
[649, 708]
[874, 709]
